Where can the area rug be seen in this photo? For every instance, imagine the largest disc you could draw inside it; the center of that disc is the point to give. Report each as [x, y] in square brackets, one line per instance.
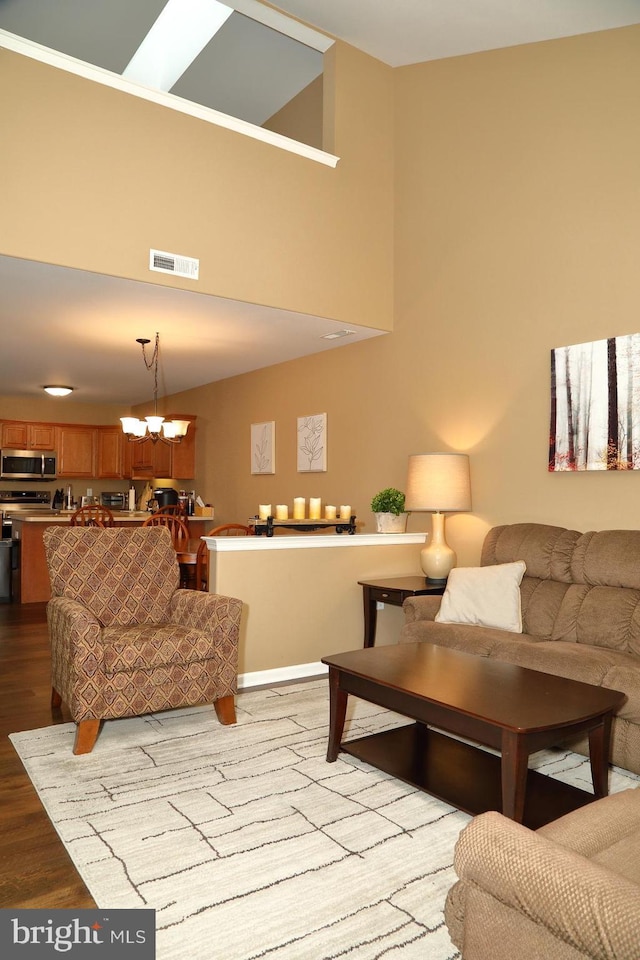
[246, 843]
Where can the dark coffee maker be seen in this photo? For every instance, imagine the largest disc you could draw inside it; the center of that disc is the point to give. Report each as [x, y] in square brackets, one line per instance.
[165, 496]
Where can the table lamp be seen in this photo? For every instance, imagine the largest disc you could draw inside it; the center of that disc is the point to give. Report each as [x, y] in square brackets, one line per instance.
[438, 483]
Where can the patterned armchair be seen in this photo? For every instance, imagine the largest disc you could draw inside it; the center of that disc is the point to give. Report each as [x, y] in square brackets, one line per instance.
[125, 640]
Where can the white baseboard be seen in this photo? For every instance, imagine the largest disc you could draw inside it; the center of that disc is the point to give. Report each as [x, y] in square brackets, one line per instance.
[299, 671]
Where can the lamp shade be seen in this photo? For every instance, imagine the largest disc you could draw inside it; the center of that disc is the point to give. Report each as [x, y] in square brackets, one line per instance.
[438, 482]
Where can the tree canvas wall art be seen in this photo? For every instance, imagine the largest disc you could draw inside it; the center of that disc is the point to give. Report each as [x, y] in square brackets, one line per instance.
[595, 405]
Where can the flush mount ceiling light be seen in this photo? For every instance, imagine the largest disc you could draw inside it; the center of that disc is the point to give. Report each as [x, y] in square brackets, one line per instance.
[58, 391]
[337, 335]
[153, 428]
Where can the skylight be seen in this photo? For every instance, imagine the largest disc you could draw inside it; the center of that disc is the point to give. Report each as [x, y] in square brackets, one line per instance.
[181, 32]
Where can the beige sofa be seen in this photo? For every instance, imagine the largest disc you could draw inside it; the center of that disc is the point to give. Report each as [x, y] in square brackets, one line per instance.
[580, 601]
[566, 891]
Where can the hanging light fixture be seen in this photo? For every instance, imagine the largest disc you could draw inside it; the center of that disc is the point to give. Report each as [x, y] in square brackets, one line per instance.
[153, 427]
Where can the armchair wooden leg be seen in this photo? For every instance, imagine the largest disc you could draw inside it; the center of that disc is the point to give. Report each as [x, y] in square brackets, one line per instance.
[86, 735]
[226, 709]
[56, 699]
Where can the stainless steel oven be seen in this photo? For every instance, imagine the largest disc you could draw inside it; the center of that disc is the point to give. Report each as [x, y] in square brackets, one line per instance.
[15, 502]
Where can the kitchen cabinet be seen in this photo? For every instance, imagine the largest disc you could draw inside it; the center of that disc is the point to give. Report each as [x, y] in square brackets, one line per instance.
[20, 435]
[110, 453]
[103, 452]
[76, 451]
[183, 460]
[150, 460]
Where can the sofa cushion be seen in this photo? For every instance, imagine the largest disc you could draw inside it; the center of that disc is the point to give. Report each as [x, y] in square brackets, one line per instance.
[145, 646]
[596, 665]
[486, 596]
[600, 616]
[607, 833]
[541, 604]
[546, 550]
[468, 637]
[607, 558]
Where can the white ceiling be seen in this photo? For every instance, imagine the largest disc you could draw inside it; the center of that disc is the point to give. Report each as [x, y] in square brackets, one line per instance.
[400, 32]
[68, 326]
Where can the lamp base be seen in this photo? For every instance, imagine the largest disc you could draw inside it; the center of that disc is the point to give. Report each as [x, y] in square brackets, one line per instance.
[437, 558]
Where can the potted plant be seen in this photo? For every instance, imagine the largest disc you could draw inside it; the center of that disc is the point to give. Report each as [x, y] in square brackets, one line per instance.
[388, 506]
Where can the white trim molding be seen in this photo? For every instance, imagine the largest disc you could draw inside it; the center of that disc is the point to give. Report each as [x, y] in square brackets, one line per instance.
[310, 542]
[266, 678]
[53, 58]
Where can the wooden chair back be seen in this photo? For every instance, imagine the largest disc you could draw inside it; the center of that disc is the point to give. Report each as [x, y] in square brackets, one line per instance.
[177, 527]
[202, 562]
[92, 516]
[231, 530]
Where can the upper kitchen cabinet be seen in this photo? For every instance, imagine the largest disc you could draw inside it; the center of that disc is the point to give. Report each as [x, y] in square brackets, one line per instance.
[150, 460]
[103, 452]
[176, 461]
[183, 461]
[20, 435]
[110, 453]
[76, 451]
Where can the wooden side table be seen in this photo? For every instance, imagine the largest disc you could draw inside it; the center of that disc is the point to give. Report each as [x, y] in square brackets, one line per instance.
[394, 591]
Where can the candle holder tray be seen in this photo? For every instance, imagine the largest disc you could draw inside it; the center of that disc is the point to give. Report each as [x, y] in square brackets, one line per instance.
[303, 526]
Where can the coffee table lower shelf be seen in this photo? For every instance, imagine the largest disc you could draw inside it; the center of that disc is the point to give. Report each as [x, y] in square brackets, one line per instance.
[462, 775]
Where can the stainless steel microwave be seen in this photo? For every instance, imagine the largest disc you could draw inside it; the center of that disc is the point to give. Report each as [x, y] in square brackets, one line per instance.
[27, 465]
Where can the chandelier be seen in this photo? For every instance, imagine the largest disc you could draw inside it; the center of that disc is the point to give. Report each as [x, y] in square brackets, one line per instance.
[153, 428]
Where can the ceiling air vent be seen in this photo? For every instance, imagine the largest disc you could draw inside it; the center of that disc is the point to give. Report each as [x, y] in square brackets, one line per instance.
[163, 262]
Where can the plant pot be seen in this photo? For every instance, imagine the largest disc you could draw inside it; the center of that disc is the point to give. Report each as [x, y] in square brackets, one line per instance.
[391, 522]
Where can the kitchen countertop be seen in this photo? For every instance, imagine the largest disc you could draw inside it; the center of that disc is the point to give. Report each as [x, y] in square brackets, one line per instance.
[46, 516]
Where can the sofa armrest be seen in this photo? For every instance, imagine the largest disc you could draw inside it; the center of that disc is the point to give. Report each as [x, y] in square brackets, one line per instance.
[421, 608]
[209, 612]
[576, 901]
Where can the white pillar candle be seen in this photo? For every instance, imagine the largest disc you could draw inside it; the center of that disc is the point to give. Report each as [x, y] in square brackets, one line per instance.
[298, 508]
[282, 511]
[314, 508]
[264, 511]
[345, 512]
[330, 512]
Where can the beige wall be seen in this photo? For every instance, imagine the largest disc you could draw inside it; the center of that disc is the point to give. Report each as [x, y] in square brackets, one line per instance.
[517, 230]
[60, 411]
[98, 177]
[302, 117]
[302, 603]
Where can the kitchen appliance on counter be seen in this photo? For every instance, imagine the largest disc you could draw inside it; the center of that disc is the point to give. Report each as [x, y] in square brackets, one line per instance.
[166, 496]
[115, 500]
[27, 465]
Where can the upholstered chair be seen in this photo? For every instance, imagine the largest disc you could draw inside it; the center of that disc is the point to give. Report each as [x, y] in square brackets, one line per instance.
[125, 640]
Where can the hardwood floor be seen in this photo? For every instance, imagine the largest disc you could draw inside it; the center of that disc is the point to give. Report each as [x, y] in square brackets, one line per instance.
[36, 870]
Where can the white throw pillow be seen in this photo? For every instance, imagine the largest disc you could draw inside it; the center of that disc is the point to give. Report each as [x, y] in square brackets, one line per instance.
[486, 596]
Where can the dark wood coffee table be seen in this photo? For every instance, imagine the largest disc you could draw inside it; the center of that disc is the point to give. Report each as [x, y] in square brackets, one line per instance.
[510, 709]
